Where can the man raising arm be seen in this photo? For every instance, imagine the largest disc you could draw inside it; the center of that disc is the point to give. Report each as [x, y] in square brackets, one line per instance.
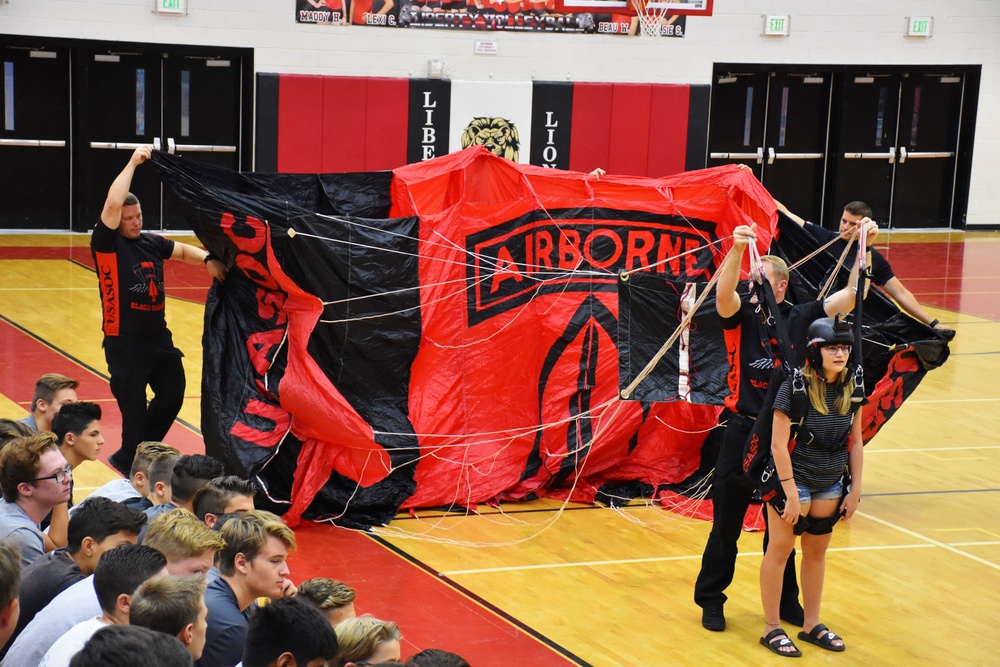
[138, 346]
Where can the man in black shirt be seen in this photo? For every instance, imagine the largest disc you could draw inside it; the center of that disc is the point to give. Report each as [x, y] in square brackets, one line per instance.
[882, 273]
[138, 346]
[753, 352]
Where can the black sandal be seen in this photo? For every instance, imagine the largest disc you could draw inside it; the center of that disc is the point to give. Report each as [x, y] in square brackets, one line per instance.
[778, 639]
[822, 636]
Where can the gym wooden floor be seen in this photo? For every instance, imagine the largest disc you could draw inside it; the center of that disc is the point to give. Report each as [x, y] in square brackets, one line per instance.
[913, 579]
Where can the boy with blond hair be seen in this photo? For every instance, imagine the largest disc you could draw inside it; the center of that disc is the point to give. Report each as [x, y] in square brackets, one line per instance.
[252, 565]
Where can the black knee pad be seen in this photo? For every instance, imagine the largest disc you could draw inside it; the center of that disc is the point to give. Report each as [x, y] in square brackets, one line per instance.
[822, 526]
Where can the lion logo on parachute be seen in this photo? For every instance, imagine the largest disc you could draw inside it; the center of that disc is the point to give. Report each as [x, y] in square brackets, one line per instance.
[498, 135]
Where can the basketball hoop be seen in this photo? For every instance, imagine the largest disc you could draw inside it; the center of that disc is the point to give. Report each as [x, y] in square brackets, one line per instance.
[650, 17]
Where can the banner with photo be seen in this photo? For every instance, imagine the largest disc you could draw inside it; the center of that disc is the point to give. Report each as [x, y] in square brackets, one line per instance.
[481, 15]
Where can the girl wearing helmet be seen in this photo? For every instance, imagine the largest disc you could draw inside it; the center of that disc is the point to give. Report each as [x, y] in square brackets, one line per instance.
[812, 477]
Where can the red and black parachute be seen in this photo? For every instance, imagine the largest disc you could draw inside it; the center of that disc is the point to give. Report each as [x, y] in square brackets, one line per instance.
[456, 331]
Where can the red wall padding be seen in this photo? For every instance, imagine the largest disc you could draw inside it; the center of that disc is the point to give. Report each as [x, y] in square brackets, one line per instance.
[668, 126]
[590, 127]
[386, 123]
[300, 124]
[336, 124]
[629, 147]
[345, 103]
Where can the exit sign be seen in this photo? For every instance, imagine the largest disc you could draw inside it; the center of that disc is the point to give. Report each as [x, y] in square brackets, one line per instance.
[919, 26]
[776, 25]
[170, 6]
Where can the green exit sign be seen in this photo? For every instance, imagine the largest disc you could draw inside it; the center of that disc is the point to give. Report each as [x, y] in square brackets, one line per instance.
[919, 26]
[776, 25]
[171, 6]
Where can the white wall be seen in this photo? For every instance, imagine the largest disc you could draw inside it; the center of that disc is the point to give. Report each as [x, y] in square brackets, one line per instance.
[822, 32]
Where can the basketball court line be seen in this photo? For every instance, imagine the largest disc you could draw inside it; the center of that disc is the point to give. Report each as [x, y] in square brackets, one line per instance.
[931, 540]
[929, 449]
[443, 578]
[929, 543]
[666, 559]
[69, 357]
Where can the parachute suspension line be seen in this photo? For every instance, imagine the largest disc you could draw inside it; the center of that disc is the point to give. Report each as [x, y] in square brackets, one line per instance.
[284, 339]
[626, 274]
[836, 268]
[447, 245]
[401, 310]
[389, 531]
[293, 233]
[625, 393]
[505, 434]
[554, 277]
[813, 253]
[402, 290]
[357, 487]
[520, 311]
[681, 430]
[270, 458]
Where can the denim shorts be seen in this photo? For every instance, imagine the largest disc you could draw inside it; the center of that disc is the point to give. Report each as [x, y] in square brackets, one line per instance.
[832, 492]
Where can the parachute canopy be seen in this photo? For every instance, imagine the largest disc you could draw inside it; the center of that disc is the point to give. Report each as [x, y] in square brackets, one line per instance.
[457, 331]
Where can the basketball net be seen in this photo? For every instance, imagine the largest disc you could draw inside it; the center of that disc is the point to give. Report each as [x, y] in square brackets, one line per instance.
[650, 19]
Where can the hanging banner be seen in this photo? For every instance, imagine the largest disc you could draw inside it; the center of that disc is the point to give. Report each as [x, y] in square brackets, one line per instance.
[429, 119]
[329, 12]
[551, 115]
[484, 15]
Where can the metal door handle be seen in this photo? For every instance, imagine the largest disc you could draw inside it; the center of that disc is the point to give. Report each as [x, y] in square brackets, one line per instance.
[122, 146]
[759, 156]
[33, 143]
[796, 156]
[891, 156]
[173, 147]
[903, 155]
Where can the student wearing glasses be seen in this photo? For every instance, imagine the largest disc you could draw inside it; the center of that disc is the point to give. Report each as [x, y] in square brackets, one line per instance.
[35, 477]
[812, 477]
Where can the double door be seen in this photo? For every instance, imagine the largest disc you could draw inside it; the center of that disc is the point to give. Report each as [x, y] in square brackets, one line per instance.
[79, 113]
[776, 124]
[35, 136]
[897, 145]
[820, 139]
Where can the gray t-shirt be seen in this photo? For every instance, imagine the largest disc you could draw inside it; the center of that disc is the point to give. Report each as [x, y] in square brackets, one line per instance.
[74, 605]
[17, 525]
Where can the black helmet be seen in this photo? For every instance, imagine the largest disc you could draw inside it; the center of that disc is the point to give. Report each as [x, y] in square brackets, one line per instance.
[827, 331]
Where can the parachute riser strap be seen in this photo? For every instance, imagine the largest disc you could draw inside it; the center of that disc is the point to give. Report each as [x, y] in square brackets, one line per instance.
[813, 254]
[859, 302]
[773, 317]
[756, 265]
[625, 393]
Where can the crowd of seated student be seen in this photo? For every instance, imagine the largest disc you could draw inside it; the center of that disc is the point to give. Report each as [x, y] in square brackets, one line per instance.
[170, 566]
